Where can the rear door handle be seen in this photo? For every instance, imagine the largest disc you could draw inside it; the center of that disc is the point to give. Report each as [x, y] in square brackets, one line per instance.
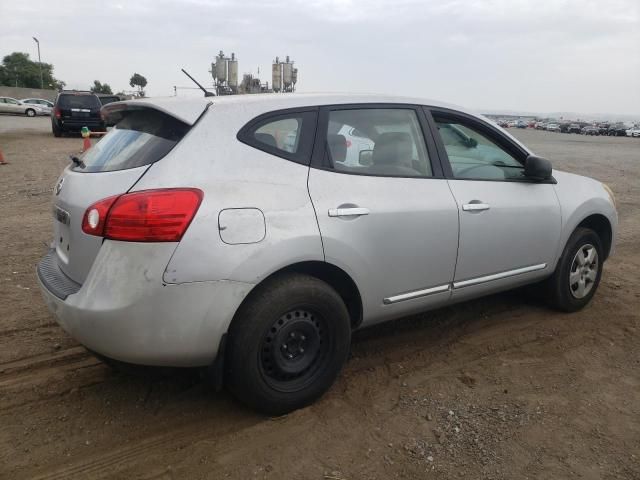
[348, 212]
[475, 207]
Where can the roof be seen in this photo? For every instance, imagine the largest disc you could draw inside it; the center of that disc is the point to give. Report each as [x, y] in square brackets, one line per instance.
[189, 109]
[291, 100]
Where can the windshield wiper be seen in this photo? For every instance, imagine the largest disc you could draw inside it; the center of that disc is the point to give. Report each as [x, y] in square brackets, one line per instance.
[77, 162]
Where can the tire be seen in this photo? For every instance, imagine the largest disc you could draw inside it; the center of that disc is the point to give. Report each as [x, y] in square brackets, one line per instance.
[287, 344]
[56, 131]
[30, 112]
[563, 292]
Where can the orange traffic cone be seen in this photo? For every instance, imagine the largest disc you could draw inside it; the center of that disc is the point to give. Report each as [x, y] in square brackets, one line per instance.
[2, 161]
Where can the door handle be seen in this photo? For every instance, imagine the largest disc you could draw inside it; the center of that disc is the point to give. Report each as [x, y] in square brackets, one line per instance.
[475, 207]
[348, 212]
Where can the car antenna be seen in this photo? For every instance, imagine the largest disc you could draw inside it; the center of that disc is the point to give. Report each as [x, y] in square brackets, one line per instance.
[207, 93]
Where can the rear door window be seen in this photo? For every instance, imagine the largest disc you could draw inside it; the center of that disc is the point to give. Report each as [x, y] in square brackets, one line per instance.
[141, 137]
[377, 141]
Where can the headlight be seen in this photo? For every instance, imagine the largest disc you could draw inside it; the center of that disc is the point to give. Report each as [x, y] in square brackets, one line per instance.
[611, 195]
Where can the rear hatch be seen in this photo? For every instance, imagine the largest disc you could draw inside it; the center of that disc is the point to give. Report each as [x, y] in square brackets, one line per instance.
[79, 106]
[142, 136]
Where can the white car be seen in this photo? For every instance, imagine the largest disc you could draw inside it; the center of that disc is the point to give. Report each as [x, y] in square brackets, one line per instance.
[633, 132]
[45, 105]
[11, 105]
[348, 143]
[228, 233]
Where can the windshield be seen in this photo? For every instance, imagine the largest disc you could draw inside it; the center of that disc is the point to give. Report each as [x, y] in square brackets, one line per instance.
[140, 138]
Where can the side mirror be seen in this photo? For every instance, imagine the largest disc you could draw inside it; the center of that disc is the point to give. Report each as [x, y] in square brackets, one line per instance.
[365, 158]
[537, 168]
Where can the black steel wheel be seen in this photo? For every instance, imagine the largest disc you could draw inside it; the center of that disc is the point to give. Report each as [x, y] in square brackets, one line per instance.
[294, 350]
[287, 344]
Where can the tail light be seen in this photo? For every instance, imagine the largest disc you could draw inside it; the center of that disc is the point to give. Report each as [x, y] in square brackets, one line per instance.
[146, 216]
[57, 112]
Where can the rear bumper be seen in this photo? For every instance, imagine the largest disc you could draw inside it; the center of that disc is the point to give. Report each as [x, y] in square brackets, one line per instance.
[124, 310]
[77, 124]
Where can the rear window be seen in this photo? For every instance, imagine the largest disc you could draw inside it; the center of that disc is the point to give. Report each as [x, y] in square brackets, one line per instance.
[140, 138]
[79, 101]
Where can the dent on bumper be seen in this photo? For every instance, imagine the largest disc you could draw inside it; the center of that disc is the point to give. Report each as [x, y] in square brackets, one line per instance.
[125, 311]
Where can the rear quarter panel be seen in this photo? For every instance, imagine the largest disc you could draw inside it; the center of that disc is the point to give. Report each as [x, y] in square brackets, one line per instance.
[233, 175]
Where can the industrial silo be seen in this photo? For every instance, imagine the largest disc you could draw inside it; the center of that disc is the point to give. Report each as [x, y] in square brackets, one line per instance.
[221, 68]
[276, 75]
[232, 70]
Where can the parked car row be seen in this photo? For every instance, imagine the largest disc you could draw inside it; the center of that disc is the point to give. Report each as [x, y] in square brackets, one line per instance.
[29, 106]
[584, 128]
[513, 124]
[71, 110]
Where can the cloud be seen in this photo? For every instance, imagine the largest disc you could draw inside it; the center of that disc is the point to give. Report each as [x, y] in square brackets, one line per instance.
[519, 54]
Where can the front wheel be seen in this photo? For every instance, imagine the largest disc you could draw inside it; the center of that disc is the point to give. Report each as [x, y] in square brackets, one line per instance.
[578, 272]
[287, 344]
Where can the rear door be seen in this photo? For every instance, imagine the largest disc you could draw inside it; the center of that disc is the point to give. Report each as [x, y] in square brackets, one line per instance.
[388, 217]
[509, 225]
[112, 166]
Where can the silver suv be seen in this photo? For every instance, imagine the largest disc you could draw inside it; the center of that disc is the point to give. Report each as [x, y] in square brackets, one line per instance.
[239, 234]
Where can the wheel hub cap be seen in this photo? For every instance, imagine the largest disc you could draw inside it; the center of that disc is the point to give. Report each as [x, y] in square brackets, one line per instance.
[584, 271]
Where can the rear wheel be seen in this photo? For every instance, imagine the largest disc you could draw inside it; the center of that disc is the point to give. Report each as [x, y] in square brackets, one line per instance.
[56, 131]
[578, 273]
[30, 112]
[287, 344]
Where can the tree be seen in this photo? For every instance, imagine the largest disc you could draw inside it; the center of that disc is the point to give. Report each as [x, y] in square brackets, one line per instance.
[17, 70]
[139, 81]
[101, 87]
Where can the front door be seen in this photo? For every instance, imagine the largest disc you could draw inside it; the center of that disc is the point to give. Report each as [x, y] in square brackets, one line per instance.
[509, 225]
[386, 215]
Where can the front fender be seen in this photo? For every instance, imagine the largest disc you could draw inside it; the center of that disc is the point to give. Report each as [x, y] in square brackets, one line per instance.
[579, 198]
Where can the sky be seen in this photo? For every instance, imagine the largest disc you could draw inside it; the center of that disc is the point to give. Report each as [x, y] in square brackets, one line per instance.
[522, 55]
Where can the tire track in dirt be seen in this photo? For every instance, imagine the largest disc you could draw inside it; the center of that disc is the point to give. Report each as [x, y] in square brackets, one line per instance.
[124, 462]
[39, 377]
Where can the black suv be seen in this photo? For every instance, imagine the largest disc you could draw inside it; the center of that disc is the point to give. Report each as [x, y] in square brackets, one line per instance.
[617, 130]
[73, 110]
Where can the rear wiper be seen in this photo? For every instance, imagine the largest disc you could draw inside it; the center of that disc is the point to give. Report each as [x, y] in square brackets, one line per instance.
[77, 161]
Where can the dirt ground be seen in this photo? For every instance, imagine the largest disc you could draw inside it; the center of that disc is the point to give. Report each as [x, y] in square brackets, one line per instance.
[499, 388]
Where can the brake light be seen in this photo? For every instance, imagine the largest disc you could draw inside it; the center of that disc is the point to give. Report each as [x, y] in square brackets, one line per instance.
[146, 216]
[57, 112]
